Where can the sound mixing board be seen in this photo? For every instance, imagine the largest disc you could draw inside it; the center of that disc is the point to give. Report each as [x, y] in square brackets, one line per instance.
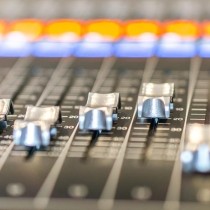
[137, 163]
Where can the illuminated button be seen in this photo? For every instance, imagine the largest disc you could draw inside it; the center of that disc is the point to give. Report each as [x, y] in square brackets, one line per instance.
[64, 30]
[99, 112]
[205, 29]
[103, 30]
[204, 43]
[98, 39]
[179, 39]
[155, 100]
[53, 49]
[61, 37]
[139, 40]
[6, 108]
[25, 30]
[182, 28]
[19, 35]
[142, 29]
[2, 29]
[37, 127]
[196, 154]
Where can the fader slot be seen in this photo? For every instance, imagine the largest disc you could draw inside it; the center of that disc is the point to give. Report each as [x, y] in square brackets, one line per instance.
[161, 152]
[47, 157]
[195, 181]
[108, 144]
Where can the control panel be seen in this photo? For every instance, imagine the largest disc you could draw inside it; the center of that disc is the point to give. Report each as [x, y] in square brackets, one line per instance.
[104, 114]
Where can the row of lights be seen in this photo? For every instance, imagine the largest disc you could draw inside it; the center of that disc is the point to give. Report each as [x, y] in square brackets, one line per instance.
[95, 38]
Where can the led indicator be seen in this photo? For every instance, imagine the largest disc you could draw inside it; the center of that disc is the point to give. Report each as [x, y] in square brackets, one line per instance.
[64, 30]
[29, 29]
[103, 30]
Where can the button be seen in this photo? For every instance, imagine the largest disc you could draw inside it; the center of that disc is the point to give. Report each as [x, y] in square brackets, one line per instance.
[60, 39]
[182, 28]
[99, 112]
[179, 39]
[103, 30]
[140, 29]
[204, 43]
[37, 127]
[155, 100]
[28, 30]
[205, 29]
[140, 39]
[196, 154]
[63, 30]
[78, 191]
[6, 108]
[141, 193]
[2, 28]
[15, 189]
[98, 39]
[19, 34]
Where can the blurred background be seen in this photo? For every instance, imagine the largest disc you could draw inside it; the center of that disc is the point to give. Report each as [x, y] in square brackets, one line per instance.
[122, 9]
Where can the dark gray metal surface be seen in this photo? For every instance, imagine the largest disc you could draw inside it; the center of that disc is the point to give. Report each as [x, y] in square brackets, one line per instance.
[124, 168]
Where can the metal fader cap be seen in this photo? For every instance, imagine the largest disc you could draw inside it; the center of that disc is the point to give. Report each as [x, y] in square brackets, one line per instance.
[6, 108]
[99, 112]
[196, 154]
[155, 100]
[37, 128]
[51, 115]
[31, 134]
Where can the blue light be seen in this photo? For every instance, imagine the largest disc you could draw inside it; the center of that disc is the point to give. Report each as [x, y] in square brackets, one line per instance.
[187, 161]
[134, 49]
[94, 49]
[15, 49]
[124, 48]
[181, 49]
[53, 49]
[202, 159]
[204, 48]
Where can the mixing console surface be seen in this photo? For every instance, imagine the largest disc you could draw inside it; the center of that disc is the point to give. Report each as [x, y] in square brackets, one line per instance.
[123, 167]
[126, 99]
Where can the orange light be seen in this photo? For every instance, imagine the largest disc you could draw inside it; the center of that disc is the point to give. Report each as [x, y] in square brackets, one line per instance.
[183, 28]
[66, 30]
[29, 28]
[206, 29]
[108, 30]
[136, 28]
[2, 27]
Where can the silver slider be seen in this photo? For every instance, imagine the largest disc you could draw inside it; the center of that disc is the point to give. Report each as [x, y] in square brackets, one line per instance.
[196, 154]
[6, 108]
[155, 100]
[38, 126]
[51, 115]
[99, 112]
[31, 134]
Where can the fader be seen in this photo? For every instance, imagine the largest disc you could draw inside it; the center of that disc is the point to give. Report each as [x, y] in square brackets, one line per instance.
[6, 108]
[99, 112]
[156, 100]
[196, 154]
[37, 127]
